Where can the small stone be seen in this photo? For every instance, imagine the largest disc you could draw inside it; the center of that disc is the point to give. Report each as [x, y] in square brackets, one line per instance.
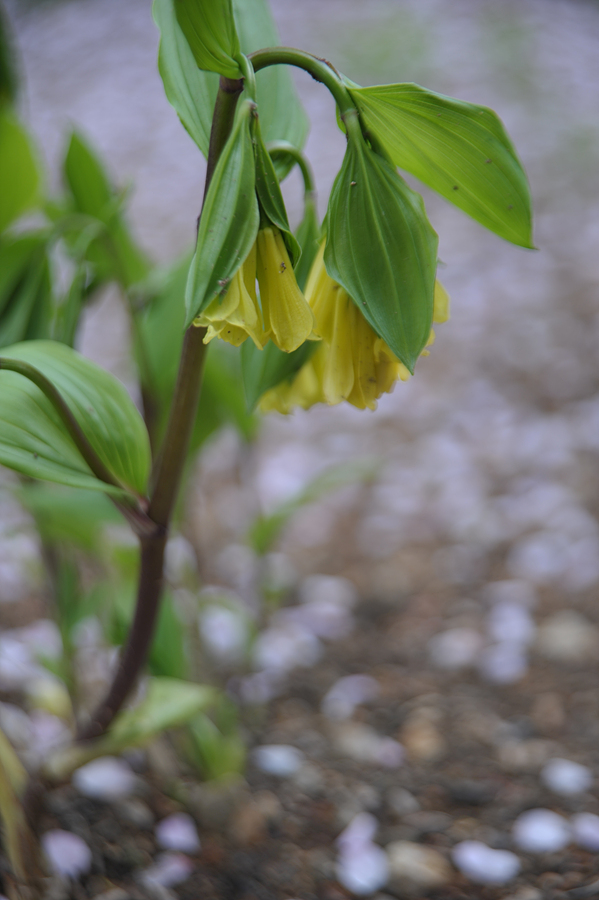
[510, 622]
[178, 832]
[511, 591]
[482, 864]
[526, 893]
[363, 871]
[68, 855]
[364, 744]
[585, 830]
[567, 637]
[224, 631]
[169, 869]
[503, 663]
[421, 738]
[277, 759]
[456, 648]
[362, 866]
[136, 812]
[107, 778]
[566, 777]
[402, 802]
[525, 756]
[250, 823]
[541, 831]
[415, 866]
[347, 693]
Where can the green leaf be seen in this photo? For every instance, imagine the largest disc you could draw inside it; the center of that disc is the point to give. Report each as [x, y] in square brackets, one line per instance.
[282, 116]
[16, 254]
[19, 173]
[74, 517]
[25, 292]
[222, 402]
[270, 196]
[209, 27]
[308, 236]
[265, 369]
[192, 92]
[459, 149]
[168, 702]
[189, 90]
[230, 218]
[35, 442]
[114, 253]
[382, 249]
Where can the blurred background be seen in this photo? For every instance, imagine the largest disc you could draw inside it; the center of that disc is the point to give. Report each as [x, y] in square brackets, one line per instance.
[490, 451]
[460, 520]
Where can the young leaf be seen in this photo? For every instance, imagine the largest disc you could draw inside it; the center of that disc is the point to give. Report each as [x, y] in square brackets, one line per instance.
[382, 249]
[459, 149]
[113, 253]
[168, 702]
[66, 515]
[230, 218]
[192, 92]
[282, 116]
[265, 369]
[34, 440]
[209, 29]
[19, 174]
[270, 196]
[189, 90]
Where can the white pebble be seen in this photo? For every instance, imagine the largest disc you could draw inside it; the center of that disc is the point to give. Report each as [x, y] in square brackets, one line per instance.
[362, 866]
[364, 871]
[360, 830]
[566, 777]
[329, 588]
[503, 663]
[511, 622]
[224, 631]
[541, 831]
[169, 869]
[362, 743]
[323, 618]
[348, 692]
[67, 854]
[455, 648]
[277, 759]
[585, 830]
[284, 647]
[178, 832]
[482, 864]
[106, 778]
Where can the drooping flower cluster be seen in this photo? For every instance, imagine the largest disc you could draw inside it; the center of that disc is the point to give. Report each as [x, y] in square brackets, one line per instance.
[351, 362]
[282, 315]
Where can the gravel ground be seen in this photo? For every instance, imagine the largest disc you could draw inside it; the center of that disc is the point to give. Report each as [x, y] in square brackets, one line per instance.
[472, 546]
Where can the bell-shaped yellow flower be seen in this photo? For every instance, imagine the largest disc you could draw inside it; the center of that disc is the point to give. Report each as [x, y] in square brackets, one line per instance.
[287, 317]
[237, 315]
[352, 362]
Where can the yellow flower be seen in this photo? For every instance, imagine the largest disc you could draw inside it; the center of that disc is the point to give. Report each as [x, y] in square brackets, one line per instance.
[236, 315]
[287, 317]
[352, 362]
[282, 314]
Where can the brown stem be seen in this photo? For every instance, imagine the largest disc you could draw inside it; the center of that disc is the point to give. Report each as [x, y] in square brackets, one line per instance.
[168, 469]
